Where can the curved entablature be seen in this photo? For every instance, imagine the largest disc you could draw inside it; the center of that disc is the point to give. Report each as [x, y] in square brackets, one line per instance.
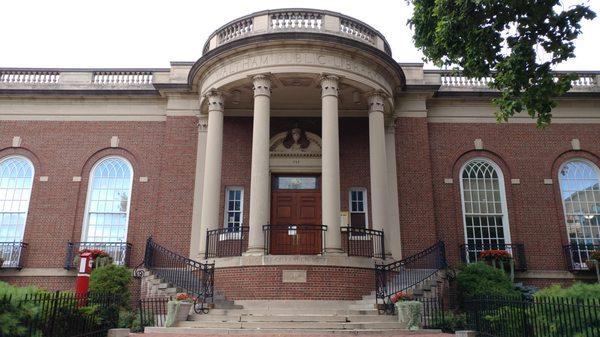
[297, 20]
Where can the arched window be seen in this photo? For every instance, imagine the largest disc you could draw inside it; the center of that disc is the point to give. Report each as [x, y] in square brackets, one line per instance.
[580, 196]
[16, 179]
[485, 214]
[109, 196]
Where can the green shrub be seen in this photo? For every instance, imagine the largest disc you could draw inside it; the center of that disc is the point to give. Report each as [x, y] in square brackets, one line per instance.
[18, 319]
[576, 291]
[449, 322]
[481, 280]
[112, 279]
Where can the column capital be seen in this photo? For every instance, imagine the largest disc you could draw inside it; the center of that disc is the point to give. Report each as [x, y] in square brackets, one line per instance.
[202, 123]
[329, 85]
[376, 102]
[215, 100]
[261, 85]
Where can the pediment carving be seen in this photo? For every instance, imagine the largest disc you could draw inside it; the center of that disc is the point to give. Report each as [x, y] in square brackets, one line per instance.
[295, 142]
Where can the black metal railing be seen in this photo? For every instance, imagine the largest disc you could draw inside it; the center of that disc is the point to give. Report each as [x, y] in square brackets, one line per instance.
[12, 254]
[409, 272]
[541, 317]
[471, 253]
[578, 254]
[153, 312]
[357, 241]
[119, 252]
[63, 314]
[194, 277]
[223, 242]
[294, 239]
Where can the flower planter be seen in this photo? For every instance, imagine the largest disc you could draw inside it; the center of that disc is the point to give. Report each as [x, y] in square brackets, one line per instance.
[591, 264]
[410, 314]
[183, 311]
[177, 311]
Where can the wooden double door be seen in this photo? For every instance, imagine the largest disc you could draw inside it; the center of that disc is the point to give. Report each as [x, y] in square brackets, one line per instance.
[296, 227]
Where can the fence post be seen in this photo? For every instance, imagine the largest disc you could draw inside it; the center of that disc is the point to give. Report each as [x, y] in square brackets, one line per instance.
[382, 245]
[54, 311]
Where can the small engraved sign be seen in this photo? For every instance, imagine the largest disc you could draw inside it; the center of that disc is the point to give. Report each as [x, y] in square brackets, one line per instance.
[293, 276]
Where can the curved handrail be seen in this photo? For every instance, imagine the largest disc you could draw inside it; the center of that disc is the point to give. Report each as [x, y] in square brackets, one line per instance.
[192, 276]
[409, 272]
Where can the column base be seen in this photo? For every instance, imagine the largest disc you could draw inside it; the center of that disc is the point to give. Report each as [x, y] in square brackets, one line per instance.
[334, 252]
[254, 252]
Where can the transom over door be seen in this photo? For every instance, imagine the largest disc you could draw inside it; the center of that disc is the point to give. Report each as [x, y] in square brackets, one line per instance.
[295, 219]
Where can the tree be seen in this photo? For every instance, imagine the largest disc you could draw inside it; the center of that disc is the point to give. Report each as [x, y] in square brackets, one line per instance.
[516, 42]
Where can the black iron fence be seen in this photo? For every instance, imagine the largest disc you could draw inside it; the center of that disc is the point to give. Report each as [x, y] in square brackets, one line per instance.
[577, 255]
[12, 254]
[294, 239]
[357, 241]
[404, 274]
[153, 311]
[119, 252]
[542, 317]
[433, 312]
[194, 277]
[470, 253]
[223, 242]
[63, 314]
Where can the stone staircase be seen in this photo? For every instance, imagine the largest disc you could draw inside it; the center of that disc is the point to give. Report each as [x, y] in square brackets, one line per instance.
[289, 316]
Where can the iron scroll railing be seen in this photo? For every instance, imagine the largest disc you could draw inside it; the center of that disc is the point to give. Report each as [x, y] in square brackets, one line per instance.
[294, 239]
[357, 241]
[577, 256]
[404, 274]
[12, 254]
[223, 242]
[470, 253]
[118, 251]
[194, 277]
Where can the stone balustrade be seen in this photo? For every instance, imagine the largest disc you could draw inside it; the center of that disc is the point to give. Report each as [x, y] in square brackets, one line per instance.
[29, 76]
[297, 20]
[455, 79]
[88, 79]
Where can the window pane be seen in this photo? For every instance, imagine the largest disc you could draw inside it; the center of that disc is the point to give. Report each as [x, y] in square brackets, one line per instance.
[16, 179]
[581, 201]
[233, 207]
[108, 204]
[482, 202]
[296, 183]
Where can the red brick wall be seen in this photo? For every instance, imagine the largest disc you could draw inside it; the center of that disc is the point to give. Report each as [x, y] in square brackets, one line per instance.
[162, 151]
[523, 152]
[50, 283]
[322, 283]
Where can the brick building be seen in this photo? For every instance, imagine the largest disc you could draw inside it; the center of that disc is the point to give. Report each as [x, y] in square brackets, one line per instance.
[292, 145]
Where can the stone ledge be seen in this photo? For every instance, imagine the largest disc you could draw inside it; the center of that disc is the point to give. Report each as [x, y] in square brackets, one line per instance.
[552, 274]
[294, 260]
[37, 272]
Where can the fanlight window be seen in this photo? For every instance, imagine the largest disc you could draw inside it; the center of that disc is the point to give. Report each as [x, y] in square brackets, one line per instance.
[16, 179]
[484, 207]
[580, 193]
[109, 195]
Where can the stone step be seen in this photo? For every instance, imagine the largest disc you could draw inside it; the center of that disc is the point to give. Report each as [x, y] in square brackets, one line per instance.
[151, 332]
[314, 311]
[293, 325]
[270, 318]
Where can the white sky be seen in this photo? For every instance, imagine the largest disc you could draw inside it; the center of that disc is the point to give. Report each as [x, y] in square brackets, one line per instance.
[148, 33]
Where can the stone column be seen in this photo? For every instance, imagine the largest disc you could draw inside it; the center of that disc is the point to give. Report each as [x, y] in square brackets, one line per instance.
[211, 192]
[392, 231]
[378, 162]
[331, 164]
[259, 177]
[197, 241]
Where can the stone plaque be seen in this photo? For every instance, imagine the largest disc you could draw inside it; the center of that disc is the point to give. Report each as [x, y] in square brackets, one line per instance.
[293, 276]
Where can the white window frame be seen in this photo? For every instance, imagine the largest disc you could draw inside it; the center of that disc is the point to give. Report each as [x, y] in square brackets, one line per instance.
[594, 167]
[365, 204]
[85, 226]
[503, 204]
[30, 189]
[226, 210]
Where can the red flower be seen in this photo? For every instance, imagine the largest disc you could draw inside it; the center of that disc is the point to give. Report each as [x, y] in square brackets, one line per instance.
[495, 254]
[96, 253]
[183, 297]
[399, 296]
